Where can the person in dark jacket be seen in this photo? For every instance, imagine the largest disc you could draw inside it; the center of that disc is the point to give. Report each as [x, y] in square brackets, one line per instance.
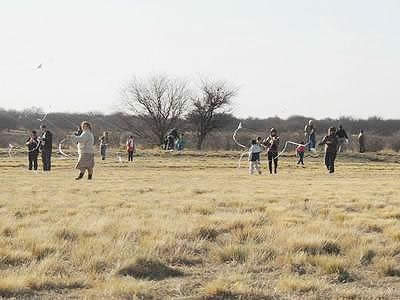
[343, 139]
[103, 145]
[361, 141]
[169, 141]
[46, 146]
[272, 144]
[33, 150]
[130, 147]
[331, 146]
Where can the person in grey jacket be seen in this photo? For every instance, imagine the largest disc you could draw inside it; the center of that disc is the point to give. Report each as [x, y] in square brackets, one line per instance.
[85, 150]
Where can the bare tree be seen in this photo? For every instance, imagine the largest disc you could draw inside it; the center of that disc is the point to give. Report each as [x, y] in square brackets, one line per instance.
[158, 101]
[215, 100]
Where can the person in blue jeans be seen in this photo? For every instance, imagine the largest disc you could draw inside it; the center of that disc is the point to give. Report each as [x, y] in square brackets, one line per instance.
[309, 132]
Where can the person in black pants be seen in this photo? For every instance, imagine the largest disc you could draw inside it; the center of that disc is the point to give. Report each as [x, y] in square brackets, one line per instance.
[46, 141]
[272, 144]
[130, 147]
[361, 141]
[33, 150]
[331, 147]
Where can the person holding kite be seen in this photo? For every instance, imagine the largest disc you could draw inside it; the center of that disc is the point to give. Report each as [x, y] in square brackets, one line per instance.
[33, 150]
[272, 145]
[85, 150]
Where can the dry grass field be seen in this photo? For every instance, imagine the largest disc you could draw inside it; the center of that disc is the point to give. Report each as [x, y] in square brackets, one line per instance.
[193, 226]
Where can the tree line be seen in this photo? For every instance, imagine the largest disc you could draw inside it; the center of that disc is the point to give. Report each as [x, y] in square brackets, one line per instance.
[154, 105]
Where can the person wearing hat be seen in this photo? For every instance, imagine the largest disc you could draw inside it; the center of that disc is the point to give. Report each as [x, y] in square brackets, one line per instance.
[272, 145]
[46, 146]
[331, 147]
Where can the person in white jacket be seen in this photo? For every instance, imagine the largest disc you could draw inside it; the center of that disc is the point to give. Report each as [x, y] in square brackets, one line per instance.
[254, 157]
[85, 150]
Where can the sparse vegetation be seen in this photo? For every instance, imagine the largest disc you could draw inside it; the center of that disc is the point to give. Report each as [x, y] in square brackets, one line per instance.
[194, 226]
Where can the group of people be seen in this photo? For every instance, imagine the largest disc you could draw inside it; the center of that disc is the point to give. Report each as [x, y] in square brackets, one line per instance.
[333, 142]
[40, 144]
[174, 140]
[271, 144]
[83, 138]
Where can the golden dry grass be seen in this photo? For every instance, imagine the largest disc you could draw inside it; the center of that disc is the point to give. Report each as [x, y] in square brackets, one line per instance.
[192, 226]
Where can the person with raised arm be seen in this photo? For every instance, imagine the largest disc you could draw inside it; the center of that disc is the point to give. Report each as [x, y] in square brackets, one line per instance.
[272, 144]
[33, 150]
[85, 150]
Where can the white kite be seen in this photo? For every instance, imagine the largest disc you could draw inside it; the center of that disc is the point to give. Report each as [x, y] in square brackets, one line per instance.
[60, 149]
[245, 152]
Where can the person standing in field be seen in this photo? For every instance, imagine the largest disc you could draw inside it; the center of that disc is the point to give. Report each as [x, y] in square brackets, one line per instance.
[300, 153]
[85, 150]
[130, 147]
[33, 150]
[309, 132]
[331, 147]
[272, 145]
[180, 142]
[46, 146]
[254, 157]
[103, 145]
[361, 141]
[343, 139]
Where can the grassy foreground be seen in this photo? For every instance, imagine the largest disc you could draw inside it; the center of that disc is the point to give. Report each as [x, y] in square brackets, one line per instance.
[193, 226]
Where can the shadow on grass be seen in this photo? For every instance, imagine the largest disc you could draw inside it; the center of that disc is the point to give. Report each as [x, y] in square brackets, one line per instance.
[144, 268]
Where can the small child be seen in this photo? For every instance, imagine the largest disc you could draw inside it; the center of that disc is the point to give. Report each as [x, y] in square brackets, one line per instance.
[300, 153]
[254, 157]
[33, 150]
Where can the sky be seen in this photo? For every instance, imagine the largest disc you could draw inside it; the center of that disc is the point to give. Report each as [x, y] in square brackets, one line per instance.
[317, 58]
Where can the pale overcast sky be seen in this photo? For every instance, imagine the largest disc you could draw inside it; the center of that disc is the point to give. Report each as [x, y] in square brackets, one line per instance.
[320, 58]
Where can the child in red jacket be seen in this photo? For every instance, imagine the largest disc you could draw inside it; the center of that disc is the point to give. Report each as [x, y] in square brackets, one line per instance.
[300, 153]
